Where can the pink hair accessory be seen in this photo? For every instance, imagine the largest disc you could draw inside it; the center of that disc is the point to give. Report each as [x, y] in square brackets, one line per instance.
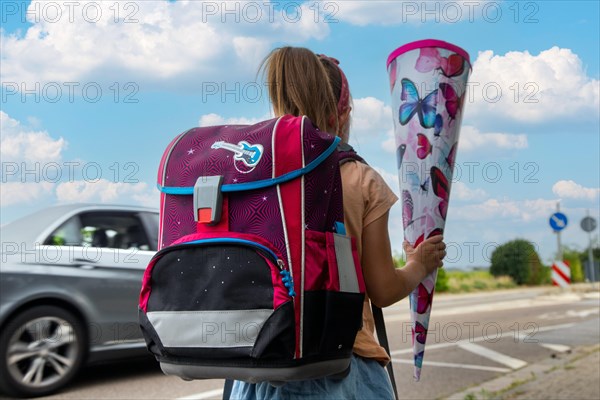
[344, 102]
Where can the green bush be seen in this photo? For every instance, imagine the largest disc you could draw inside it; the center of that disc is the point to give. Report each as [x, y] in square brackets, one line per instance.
[480, 285]
[572, 257]
[441, 284]
[399, 260]
[546, 278]
[519, 260]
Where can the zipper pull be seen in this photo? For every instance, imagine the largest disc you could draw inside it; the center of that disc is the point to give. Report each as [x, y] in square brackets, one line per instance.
[287, 280]
[280, 264]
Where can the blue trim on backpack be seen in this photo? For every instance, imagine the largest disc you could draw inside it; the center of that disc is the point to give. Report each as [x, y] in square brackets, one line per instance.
[237, 187]
[234, 241]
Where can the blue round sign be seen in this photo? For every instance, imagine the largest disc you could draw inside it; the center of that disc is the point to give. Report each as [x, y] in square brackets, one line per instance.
[558, 221]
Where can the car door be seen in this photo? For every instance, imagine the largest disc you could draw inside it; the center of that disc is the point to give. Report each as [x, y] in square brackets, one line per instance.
[108, 252]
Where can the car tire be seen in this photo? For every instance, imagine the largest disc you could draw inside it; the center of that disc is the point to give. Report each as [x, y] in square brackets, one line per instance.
[41, 350]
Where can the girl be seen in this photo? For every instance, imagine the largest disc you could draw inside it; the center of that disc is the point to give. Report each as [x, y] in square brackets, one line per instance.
[302, 83]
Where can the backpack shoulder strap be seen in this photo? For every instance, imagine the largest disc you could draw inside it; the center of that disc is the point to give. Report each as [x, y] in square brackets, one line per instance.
[346, 154]
[383, 341]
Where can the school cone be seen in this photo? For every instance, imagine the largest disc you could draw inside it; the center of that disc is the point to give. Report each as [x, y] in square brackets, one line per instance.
[428, 81]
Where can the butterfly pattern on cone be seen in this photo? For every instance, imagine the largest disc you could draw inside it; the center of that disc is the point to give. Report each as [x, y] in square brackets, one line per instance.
[428, 84]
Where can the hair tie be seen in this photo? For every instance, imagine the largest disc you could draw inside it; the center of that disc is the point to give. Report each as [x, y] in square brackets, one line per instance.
[343, 103]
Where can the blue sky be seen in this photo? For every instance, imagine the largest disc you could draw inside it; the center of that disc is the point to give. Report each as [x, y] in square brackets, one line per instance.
[92, 92]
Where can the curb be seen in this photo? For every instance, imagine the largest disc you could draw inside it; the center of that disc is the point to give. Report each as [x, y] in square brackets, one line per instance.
[495, 388]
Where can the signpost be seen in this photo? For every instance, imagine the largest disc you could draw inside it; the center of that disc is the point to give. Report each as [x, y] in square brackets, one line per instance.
[588, 224]
[558, 222]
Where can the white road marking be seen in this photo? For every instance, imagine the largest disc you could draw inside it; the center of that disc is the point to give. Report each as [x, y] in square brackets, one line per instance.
[394, 316]
[500, 358]
[480, 339]
[211, 394]
[561, 348]
[454, 365]
[583, 313]
[570, 313]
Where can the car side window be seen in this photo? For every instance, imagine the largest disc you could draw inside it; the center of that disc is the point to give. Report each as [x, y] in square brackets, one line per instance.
[114, 229]
[68, 234]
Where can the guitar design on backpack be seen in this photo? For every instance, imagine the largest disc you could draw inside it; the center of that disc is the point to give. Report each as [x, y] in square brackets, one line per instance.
[249, 154]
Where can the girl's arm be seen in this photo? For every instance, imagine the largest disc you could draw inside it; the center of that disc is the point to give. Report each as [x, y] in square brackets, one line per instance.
[386, 284]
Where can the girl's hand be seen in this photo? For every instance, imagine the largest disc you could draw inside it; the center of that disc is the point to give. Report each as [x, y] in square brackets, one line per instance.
[428, 253]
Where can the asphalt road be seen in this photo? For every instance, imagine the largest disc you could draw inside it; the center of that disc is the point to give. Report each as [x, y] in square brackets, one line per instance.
[472, 338]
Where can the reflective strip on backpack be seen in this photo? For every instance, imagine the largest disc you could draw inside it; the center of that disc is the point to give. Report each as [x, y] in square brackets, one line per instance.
[345, 263]
[208, 329]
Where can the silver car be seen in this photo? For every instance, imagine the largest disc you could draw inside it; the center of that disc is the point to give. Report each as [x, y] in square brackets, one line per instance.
[70, 279]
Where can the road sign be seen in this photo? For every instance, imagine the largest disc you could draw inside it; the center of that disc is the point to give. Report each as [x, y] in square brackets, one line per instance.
[558, 221]
[561, 274]
[588, 224]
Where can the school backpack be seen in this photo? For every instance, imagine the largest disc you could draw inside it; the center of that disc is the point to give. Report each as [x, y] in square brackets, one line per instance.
[255, 278]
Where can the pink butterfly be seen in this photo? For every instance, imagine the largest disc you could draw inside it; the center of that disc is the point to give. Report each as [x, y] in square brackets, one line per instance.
[441, 188]
[430, 59]
[423, 146]
[454, 65]
[453, 102]
[420, 333]
[424, 299]
[393, 73]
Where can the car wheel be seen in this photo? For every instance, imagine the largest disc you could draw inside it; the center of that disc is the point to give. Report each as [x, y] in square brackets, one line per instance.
[41, 350]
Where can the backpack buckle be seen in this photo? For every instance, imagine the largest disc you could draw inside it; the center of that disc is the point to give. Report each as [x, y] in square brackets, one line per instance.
[208, 199]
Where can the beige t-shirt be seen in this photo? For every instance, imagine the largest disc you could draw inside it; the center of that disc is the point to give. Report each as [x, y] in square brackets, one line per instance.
[366, 198]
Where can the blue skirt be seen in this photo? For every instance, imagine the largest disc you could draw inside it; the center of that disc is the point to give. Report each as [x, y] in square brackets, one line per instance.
[367, 380]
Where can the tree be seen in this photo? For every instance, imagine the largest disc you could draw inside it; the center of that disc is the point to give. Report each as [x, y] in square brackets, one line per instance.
[519, 260]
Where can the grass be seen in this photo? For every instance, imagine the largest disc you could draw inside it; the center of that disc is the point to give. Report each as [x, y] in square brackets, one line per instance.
[486, 395]
[476, 281]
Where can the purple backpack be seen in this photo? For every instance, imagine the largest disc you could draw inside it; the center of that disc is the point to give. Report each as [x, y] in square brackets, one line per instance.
[255, 278]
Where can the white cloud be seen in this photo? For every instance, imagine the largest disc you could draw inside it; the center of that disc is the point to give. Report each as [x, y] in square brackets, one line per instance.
[250, 48]
[216, 119]
[494, 209]
[394, 13]
[105, 191]
[33, 169]
[21, 144]
[372, 119]
[461, 191]
[147, 41]
[572, 190]
[13, 193]
[471, 139]
[532, 88]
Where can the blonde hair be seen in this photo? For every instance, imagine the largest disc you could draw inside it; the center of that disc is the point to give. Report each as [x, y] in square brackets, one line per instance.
[299, 83]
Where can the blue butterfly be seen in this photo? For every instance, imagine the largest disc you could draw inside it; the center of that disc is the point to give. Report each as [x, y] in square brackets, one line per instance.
[438, 125]
[416, 182]
[425, 108]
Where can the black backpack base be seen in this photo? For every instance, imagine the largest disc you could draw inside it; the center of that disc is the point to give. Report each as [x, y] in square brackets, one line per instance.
[255, 375]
